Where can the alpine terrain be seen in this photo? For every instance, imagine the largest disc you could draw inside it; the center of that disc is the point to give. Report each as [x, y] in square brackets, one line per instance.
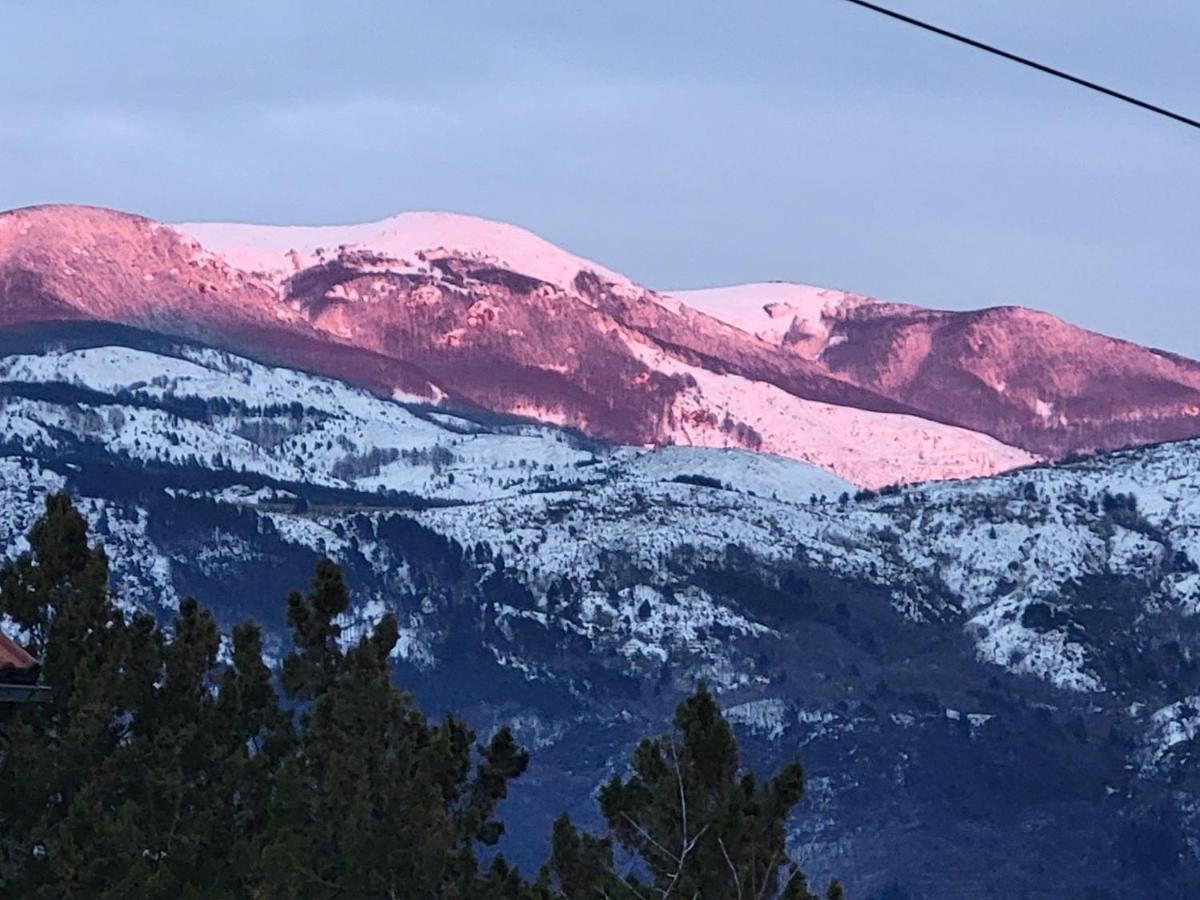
[950, 559]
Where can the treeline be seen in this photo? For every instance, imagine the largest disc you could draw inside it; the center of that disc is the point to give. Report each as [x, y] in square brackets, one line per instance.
[169, 763]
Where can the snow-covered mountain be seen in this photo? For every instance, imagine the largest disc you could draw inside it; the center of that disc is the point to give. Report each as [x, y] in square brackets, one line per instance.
[1005, 658]
[477, 314]
[581, 495]
[973, 543]
[795, 316]
[282, 251]
[1024, 377]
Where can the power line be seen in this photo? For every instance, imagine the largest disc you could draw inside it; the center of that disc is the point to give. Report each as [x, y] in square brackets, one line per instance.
[1057, 73]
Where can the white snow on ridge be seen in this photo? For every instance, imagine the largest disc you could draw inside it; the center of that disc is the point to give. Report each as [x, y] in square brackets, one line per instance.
[769, 309]
[770, 716]
[871, 449]
[281, 249]
[998, 545]
[1177, 723]
[355, 439]
[746, 471]
[552, 506]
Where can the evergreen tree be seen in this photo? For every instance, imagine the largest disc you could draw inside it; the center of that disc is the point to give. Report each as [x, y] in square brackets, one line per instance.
[256, 737]
[56, 768]
[57, 592]
[395, 806]
[316, 662]
[694, 825]
[160, 770]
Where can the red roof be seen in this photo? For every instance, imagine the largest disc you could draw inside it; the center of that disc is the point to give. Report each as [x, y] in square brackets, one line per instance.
[15, 663]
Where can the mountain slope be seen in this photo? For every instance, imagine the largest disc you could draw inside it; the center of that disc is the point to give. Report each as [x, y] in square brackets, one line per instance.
[1024, 377]
[484, 315]
[436, 306]
[967, 668]
[82, 263]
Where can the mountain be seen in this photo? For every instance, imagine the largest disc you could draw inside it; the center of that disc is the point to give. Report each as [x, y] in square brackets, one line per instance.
[556, 478]
[477, 314]
[993, 683]
[1021, 376]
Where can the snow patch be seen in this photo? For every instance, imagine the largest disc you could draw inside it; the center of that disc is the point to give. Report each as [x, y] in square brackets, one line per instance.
[282, 250]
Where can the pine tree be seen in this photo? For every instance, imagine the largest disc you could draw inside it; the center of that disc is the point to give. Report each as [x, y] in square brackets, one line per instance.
[159, 771]
[395, 806]
[696, 825]
[581, 866]
[255, 737]
[316, 661]
[176, 755]
[132, 780]
[56, 758]
[57, 592]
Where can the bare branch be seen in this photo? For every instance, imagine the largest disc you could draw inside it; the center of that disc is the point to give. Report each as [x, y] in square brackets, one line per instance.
[762, 892]
[682, 793]
[737, 882]
[644, 833]
[682, 857]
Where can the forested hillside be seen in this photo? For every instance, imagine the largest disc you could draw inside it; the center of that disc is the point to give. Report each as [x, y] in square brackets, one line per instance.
[171, 763]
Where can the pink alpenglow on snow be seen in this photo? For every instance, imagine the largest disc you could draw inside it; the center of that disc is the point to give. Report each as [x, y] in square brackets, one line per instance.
[405, 237]
[780, 313]
[451, 309]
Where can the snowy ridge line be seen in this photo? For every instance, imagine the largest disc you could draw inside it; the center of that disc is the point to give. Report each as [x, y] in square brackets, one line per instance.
[996, 554]
[282, 249]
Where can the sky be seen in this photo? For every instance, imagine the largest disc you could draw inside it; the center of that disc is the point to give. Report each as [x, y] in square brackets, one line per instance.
[686, 143]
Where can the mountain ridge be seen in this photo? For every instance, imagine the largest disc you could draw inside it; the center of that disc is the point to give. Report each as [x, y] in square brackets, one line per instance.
[1013, 656]
[437, 306]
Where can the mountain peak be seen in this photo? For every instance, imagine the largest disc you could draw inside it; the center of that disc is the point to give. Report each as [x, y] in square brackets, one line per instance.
[781, 313]
[435, 304]
[404, 236]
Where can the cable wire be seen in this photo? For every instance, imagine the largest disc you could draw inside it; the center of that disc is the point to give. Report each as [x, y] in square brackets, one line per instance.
[1057, 73]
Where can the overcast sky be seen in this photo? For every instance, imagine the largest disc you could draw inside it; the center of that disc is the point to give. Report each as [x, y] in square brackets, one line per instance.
[687, 144]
